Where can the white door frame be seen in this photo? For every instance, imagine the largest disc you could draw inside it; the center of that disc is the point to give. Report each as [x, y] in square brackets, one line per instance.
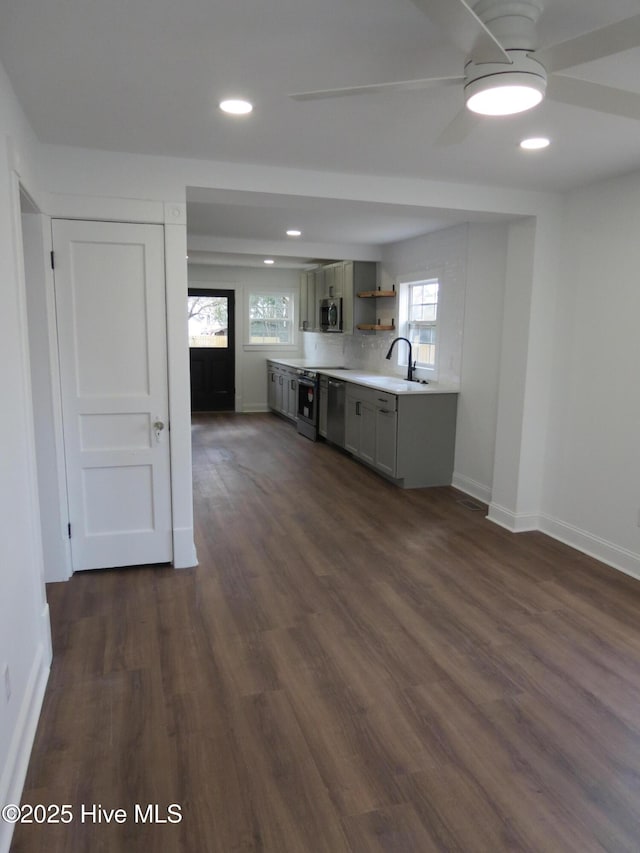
[47, 404]
[172, 215]
[110, 276]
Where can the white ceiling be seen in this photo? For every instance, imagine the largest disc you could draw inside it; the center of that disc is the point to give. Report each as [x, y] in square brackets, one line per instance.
[145, 76]
[222, 224]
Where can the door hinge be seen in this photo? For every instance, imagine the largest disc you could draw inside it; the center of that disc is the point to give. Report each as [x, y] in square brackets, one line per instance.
[53, 263]
[69, 530]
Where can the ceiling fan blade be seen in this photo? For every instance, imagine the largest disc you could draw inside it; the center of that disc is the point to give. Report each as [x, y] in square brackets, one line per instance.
[457, 130]
[603, 42]
[372, 88]
[465, 29]
[593, 96]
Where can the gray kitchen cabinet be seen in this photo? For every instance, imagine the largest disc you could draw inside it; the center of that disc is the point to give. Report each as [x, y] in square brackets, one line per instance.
[333, 280]
[291, 394]
[408, 438]
[308, 303]
[339, 280]
[282, 390]
[273, 375]
[386, 441]
[359, 434]
[352, 422]
[318, 282]
[360, 424]
[303, 308]
[328, 282]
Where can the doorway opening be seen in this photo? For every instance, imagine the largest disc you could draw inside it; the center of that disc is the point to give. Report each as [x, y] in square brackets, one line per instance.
[212, 349]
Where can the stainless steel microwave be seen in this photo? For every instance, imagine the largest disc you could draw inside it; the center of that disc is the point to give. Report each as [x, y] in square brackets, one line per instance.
[331, 315]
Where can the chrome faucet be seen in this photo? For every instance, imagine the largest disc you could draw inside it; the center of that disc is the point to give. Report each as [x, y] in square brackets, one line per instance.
[411, 365]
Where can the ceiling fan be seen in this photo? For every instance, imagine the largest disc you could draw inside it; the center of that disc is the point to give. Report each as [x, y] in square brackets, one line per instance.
[504, 71]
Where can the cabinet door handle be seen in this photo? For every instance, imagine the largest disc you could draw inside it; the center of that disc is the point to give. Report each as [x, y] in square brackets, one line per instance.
[357, 408]
[384, 411]
[293, 385]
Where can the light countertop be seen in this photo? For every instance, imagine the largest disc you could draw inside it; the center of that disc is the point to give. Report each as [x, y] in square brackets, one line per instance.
[379, 381]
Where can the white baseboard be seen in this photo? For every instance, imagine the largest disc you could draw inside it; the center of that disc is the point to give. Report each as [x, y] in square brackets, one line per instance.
[15, 770]
[184, 549]
[587, 543]
[513, 521]
[471, 487]
[252, 408]
[594, 546]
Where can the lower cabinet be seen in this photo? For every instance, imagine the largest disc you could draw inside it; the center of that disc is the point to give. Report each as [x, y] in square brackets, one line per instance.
[409, 438]
[386, 441]
[274, 392]
[282, 390]
[370, 427]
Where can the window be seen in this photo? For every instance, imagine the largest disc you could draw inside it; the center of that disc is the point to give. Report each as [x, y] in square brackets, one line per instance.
[271, 319]
[422, 317]
[208, 321]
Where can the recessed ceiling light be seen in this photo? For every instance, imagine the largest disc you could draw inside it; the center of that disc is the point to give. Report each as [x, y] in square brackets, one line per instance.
[293, 232]
[535, 143]
[269, 261]
[236, 107]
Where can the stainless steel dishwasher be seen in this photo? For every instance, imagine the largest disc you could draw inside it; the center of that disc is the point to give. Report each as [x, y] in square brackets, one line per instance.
[336, 411]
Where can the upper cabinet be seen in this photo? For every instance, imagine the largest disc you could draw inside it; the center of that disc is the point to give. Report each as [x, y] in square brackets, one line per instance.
[338, 280]
[308, 305]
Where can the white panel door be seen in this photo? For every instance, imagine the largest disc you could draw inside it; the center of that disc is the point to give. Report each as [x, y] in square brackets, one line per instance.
[110, 303]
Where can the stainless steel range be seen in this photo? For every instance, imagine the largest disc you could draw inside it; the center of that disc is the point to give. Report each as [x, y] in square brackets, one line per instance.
[308, 399]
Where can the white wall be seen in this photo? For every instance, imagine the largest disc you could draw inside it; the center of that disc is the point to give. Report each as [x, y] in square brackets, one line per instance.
[251, 371]
[24, 624]
[592, 487]
[481, 349]
[442, 254]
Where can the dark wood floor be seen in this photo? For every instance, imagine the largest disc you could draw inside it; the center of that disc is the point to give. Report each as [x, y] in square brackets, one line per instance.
[350, 668]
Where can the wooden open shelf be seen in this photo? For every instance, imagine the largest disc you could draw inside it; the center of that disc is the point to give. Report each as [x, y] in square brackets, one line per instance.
[373, 294]
[372, 327]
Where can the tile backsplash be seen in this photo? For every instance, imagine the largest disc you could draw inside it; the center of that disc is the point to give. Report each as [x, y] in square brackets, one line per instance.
[364, 352]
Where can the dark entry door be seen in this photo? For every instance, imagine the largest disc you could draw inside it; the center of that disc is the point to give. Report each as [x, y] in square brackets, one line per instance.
[212, 349]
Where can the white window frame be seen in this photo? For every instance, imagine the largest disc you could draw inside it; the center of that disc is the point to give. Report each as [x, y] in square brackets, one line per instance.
[404, 286]
[271, 291]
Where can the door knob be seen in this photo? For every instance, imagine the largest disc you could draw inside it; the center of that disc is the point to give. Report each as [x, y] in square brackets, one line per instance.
[158, 426]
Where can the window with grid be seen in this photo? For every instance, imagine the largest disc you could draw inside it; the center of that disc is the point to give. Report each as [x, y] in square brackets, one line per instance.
[270, 318]
[422, 316]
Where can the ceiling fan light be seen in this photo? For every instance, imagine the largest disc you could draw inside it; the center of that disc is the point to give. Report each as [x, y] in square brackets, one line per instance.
[501, 89]
[503, 99]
